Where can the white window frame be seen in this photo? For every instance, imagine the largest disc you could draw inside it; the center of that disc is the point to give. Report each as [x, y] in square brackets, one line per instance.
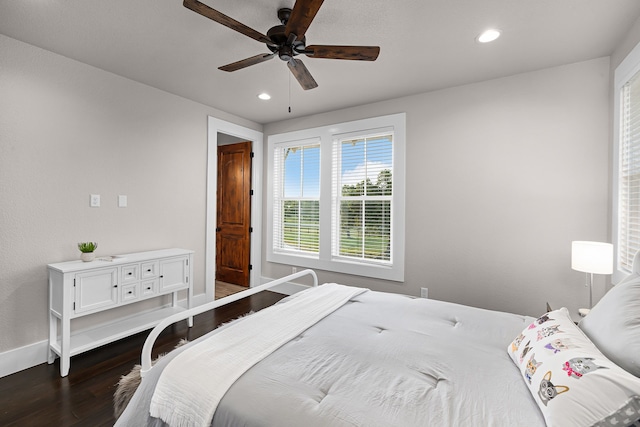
[278, 194]
[337, 197]
[325, 261]
[627, 69]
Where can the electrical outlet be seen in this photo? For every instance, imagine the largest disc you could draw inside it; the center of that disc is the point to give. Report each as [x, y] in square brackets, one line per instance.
[95, 201]
[294, 270]
[122, 201]
[424, 292]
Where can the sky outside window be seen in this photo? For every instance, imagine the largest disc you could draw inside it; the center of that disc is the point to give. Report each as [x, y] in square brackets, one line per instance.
[302, 172]
[365, 158]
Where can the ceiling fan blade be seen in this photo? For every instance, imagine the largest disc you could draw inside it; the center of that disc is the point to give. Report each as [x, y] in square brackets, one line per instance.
[301, 16]
[223, 19]
[301, 74]
[359, 53]
[247, 62]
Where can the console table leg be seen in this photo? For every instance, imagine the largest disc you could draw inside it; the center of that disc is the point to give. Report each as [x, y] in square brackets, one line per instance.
[189, 301]
[65, 347]
[64, 366]
[53, 335]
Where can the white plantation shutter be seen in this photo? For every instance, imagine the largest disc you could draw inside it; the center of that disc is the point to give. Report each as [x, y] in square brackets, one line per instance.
[629, 175]
[296, 194]
[362, 198]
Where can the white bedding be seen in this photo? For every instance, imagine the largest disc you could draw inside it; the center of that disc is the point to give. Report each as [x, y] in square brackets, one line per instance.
[380, 360]
[180, 399]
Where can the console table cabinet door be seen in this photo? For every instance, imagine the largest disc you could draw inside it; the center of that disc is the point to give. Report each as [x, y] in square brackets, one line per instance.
[173, 274]
[96, 290]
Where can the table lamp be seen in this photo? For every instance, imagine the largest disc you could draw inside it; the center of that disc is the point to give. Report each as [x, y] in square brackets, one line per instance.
[591, 258]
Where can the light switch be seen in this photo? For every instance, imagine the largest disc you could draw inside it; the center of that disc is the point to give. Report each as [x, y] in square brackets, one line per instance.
[122, 201]
[95, 201]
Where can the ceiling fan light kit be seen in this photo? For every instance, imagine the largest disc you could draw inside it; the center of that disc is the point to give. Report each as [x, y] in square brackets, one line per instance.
[287, 40]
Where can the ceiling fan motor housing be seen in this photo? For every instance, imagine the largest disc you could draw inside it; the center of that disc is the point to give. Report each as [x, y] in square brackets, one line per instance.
[282, 45]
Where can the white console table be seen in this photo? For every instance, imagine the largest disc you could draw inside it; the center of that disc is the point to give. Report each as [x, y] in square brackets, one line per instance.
[78, 289]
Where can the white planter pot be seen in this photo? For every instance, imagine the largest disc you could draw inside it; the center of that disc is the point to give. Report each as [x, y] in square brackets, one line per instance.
[87, 256]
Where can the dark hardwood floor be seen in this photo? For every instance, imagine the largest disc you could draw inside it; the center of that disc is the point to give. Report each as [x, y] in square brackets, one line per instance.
[40, 397]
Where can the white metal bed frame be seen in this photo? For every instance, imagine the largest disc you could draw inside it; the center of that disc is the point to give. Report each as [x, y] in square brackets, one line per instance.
[188, 314]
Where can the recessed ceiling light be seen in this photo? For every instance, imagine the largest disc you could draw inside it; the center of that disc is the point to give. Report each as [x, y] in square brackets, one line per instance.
[488, 36]
[264, 96]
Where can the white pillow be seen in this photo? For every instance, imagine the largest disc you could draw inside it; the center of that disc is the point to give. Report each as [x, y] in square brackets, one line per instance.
[614, 325]
[572, 382]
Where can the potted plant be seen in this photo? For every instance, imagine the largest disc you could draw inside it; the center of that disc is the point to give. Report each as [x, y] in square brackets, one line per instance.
[87, 249]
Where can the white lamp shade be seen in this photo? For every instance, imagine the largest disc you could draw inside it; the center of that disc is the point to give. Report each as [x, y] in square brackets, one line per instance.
[592, 257]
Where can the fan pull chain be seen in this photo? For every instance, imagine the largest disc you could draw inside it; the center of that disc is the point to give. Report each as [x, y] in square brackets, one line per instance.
[289, 93]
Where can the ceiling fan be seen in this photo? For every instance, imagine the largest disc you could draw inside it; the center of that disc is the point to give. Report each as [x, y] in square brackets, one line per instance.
[287, 40]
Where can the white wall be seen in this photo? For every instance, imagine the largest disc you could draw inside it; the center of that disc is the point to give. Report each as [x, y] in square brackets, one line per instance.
[501, 177]
[68, 130]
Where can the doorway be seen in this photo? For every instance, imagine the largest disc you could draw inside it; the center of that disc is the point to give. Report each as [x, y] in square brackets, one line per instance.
[233, 223]
[222, 133]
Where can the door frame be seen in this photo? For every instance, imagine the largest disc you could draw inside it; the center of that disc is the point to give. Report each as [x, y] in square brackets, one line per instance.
[215, 126]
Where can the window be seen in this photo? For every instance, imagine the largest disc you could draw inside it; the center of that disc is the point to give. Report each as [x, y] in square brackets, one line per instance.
[629, 175]
[336, 198]
[363, 194]
[626, 180]
[297, 198]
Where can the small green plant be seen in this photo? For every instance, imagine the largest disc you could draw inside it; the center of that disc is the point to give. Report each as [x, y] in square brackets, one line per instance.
[87, 247]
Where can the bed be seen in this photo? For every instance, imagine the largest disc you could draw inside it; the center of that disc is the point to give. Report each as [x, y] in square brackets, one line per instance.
[381, 359]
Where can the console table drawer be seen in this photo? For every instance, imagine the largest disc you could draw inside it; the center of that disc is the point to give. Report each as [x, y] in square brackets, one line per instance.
[130, 273]
[129, 292]
[149, 288]
[149, 269]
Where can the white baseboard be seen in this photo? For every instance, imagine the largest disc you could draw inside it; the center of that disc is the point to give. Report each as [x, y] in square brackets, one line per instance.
[197, 300]
[21, 358]
[288, 288]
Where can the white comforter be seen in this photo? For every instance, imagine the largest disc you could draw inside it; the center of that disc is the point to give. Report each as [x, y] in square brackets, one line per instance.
[380, 360]
[192, 385]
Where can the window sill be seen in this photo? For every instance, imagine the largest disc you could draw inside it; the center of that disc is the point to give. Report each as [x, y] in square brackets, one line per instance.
[364, 269]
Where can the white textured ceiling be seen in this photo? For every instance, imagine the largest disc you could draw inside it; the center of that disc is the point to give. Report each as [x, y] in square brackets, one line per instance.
[425, 45]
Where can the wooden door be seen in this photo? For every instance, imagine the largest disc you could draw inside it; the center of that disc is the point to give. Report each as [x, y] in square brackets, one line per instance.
[233, 241]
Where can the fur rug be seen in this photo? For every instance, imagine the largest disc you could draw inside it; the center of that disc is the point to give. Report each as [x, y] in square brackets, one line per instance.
[129, 383]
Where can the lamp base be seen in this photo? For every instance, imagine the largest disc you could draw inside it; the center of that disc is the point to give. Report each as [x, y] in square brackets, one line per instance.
[583, 311]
